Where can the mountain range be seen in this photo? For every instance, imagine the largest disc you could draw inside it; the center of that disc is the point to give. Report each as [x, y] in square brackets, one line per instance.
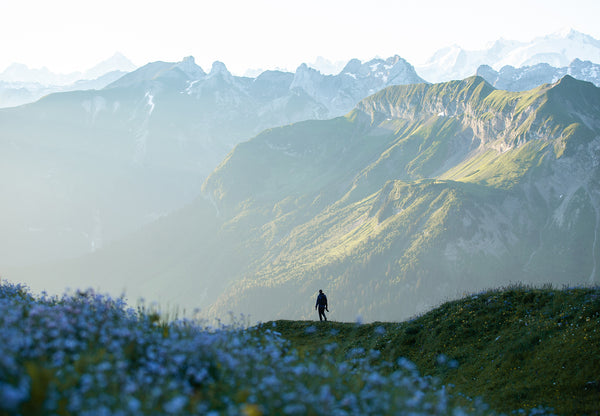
[14, 94]
[558, 50]
[20, 84]
[422, 192]
[537, 58]
[104, 162]
[528, 77]
[20, 73]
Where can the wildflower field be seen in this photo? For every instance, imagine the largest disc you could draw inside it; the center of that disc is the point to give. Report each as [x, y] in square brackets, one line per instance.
[89, 354]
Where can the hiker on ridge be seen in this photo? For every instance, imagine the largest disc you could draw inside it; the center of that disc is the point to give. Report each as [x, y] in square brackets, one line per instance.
[322, 305]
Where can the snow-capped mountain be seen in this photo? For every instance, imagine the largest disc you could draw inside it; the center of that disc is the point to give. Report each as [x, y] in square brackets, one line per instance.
[326, 66]
[558, 50]
[528, 77]
[339, 93]
[282, 97]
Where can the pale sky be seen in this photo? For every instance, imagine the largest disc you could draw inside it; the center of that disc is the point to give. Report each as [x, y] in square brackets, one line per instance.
[74, 35]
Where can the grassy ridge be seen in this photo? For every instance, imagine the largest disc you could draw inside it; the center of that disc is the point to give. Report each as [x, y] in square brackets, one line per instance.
[517, 348]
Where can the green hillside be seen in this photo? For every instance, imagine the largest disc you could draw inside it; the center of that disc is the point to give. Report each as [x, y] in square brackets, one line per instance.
[516, 348]
[420, 193]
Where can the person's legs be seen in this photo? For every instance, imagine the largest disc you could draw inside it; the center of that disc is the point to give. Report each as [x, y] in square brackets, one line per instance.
[322, 314]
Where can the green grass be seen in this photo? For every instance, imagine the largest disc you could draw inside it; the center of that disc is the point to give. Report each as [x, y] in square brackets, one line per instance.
[516, 348]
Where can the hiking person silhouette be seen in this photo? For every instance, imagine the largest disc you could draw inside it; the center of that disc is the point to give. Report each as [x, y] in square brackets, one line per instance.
[322, 305]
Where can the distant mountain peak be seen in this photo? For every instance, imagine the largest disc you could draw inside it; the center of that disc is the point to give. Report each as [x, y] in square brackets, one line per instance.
[304, 67]
[393, 60]
[117, 62]
[219, 69]
[353, 66]
[393, 70]
[567, 32]
[326, 66]
[188, 65]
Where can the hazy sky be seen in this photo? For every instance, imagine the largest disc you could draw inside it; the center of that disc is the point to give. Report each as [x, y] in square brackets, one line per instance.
[70, 35]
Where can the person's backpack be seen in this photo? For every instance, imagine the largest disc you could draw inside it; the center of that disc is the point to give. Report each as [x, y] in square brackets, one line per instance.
[322, 300]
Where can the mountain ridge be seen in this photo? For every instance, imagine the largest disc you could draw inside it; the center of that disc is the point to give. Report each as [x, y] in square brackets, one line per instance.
[440, 206]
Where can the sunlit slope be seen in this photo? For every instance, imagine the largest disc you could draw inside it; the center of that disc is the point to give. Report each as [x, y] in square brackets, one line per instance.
[423, 191]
